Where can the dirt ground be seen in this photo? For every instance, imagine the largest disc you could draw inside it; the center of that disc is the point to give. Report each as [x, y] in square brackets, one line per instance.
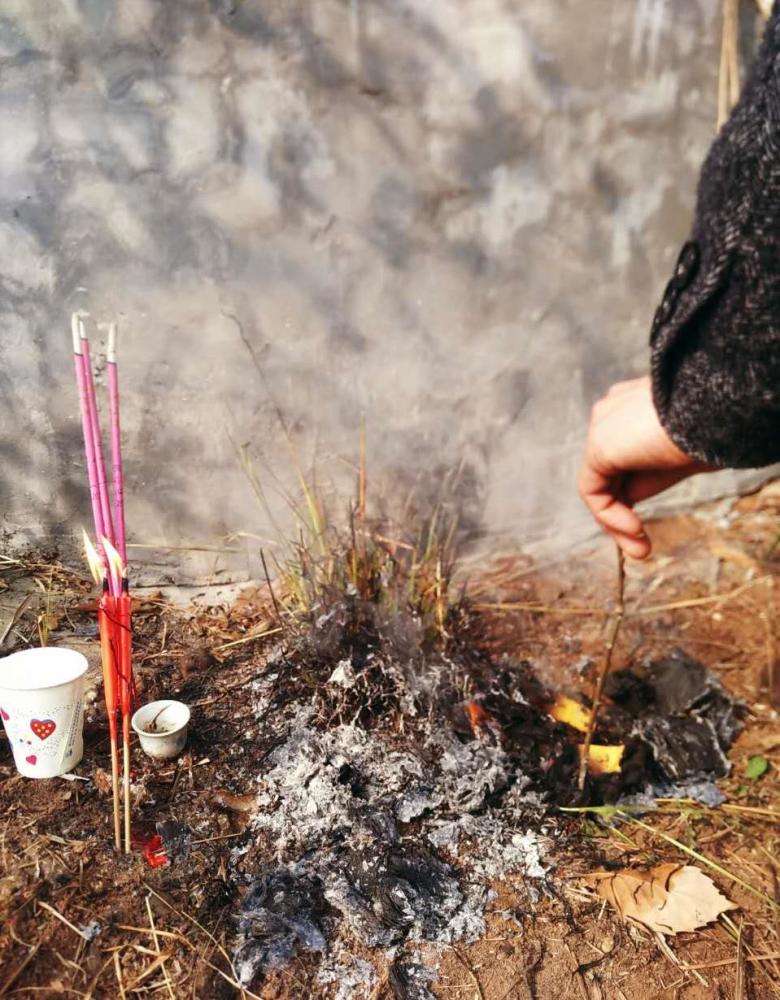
[80, 921]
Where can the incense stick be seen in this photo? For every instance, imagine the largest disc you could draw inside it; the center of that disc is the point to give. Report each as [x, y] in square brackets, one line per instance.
[86, 426]
[97, 442]
[116, 444]
[108, 657]
[114, 608]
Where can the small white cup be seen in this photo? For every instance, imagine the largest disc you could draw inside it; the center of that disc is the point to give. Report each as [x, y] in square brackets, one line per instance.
[162, 727]
[42, 708]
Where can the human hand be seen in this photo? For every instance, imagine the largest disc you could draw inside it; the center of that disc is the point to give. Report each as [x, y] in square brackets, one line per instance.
[629, 457]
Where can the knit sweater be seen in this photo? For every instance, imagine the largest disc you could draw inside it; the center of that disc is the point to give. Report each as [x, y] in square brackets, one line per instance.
[715, 340]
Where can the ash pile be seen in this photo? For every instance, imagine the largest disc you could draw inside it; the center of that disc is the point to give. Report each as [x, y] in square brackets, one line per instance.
[400, 782]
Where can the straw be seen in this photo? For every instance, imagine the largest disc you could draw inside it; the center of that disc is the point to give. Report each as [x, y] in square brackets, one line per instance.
[116, 444]
[86, 425]
[97, 443]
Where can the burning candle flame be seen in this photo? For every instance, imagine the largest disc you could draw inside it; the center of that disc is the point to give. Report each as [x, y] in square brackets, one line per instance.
[95, 562]
[115, 565]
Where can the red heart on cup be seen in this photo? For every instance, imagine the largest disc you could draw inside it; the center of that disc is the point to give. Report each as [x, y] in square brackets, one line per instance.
[43, 728]
[32, 759]
[5, 716]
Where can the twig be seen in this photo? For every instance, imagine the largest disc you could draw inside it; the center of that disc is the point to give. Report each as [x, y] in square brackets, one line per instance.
[157, 947]
[548, 609]
[159, 962]
[13, 976]
[471, 972]
[577, 973]
[663, 944]
[739, 984]
[246, 638]
[63, 920]
[98, 974]
[16, 616]
[118, 971]
[691, 602]
[767, 617]
[182, 913]
[695, 602]
[270, 587]
[768, 957]
[605, 667]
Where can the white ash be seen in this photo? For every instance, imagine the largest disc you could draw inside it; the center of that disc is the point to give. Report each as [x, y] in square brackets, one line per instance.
[343, 675]
[489, 848]
[352, 978]
[318, 782]
[262, 690]
[278, 918]
[417, 800]
[468, 774]
[471, 772]
[329, 801]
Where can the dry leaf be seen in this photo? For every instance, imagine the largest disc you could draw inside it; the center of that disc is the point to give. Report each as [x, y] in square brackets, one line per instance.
[567, 710]
[603, 759]
[234, 803]
[669, 899]
[102, 781]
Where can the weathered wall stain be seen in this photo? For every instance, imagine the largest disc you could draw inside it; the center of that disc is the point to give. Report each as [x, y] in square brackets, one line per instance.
[450, 219]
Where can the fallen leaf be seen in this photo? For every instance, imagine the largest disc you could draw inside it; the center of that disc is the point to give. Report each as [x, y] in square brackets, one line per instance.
[756, 766]
[234, 803]
[603, 759]
[571, 712]
[669, 899]
[102, 781]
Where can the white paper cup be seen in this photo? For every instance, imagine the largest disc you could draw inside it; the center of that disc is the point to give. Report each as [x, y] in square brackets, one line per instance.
[162, 727]
[42, 708]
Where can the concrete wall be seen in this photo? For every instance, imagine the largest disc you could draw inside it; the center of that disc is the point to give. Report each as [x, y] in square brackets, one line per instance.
[453, 218]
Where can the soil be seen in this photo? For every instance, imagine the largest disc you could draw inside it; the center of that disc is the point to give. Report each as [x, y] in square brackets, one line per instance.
[80, 920]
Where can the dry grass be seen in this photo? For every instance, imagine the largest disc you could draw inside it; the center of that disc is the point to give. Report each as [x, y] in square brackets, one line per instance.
[402, 565]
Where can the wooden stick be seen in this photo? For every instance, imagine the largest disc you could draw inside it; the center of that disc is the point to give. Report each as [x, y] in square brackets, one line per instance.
[126, 776]
[606, 665]
[108, 652]
[115, 786]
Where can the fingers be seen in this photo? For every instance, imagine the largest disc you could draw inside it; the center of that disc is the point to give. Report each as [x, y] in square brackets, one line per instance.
[628, 457]
[634, 548]
[602, 495]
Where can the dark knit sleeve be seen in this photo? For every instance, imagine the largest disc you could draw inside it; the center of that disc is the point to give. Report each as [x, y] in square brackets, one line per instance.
[715, 342]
